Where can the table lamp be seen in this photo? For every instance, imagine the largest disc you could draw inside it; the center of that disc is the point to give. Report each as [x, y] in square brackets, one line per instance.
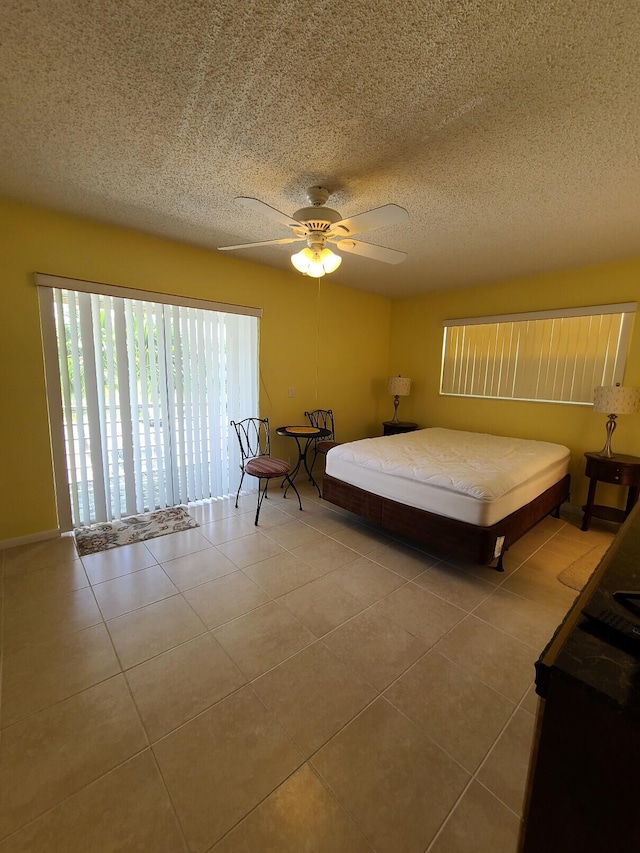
[615, 400]
[399, 386]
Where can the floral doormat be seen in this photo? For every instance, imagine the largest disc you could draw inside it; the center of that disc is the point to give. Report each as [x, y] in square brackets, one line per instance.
[135, 528]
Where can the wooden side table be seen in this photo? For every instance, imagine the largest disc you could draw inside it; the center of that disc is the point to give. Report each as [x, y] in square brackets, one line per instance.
[391, 428]
[619, 469]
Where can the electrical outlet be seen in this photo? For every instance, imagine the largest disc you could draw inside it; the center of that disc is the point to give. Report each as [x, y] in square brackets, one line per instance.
[292, 392]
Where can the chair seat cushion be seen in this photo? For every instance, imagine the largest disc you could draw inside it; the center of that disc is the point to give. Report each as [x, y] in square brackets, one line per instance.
[266, 466]
[325, 446]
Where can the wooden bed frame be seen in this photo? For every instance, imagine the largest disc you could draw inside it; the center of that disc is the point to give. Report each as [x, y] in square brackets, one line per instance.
[482, 544]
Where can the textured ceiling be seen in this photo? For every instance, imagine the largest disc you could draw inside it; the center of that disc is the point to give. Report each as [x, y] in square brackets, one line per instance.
[508, 129]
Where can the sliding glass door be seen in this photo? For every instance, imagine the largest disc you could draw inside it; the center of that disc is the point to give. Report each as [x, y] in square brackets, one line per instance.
[146, 393]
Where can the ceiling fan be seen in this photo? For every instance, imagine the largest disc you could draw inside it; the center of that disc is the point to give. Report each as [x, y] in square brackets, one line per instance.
[318, 225]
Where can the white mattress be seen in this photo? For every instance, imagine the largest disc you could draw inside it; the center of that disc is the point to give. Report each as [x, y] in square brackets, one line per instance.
[468, 476]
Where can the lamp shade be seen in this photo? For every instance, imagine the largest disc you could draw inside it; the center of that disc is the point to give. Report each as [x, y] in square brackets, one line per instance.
[399, 385]
[302, 259]
[616, 400]
[330, 261]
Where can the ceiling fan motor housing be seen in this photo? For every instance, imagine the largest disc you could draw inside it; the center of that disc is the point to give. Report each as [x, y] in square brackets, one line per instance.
[317, 196]
[317, 218]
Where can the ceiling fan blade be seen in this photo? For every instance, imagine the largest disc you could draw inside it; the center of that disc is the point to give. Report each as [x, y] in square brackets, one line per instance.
[379, 217]
[266, 210]
[262, 243]
[369, 250]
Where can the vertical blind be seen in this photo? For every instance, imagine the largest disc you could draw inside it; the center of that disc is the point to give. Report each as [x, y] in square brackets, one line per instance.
[551, 356]
[148, 390]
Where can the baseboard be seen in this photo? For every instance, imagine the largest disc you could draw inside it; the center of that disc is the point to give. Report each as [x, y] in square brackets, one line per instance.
[30, 539]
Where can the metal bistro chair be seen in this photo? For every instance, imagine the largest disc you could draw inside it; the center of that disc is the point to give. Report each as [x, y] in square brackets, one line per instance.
[254, 438]
[322, 418]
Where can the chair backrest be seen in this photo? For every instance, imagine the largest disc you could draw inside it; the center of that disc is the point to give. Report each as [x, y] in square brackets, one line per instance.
[254, 438]
[322, 418]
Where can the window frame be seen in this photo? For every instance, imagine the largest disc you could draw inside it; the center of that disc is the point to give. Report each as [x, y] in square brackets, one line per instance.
[47, 286]
[510, 363]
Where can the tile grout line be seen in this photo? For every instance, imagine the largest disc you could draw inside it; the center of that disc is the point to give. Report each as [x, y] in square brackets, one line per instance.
[317, 640]
[129, 758]
[475, 775]
[314, 642]
[275, 599]
[380, 695]
[156, 763]
[75, 793]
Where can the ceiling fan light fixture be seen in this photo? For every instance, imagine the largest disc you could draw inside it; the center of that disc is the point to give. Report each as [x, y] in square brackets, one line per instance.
[315, 269]
[302, 259]
[330, 261]
[316, 263]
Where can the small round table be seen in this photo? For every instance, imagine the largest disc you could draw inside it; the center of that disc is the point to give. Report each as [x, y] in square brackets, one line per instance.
[306, 434]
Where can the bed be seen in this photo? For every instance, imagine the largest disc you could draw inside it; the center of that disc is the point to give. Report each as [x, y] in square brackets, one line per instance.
[462, 493]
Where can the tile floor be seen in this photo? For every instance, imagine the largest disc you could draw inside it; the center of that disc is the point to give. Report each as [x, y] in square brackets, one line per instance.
[308, 685]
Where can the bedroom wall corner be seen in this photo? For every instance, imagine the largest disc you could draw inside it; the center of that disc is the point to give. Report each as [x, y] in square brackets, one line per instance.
[416, 343]
[330, 344]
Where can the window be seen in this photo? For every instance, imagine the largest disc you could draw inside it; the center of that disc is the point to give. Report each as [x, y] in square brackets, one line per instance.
[144, 391]
[552, 356]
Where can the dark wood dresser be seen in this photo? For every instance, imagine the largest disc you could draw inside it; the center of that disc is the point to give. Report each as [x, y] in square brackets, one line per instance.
[583, 791]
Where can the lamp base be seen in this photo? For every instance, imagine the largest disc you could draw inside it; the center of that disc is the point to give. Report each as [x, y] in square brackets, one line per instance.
[396, 401]
[611, 425]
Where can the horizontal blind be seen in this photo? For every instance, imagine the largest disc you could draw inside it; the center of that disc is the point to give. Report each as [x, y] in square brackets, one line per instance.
[547, 356]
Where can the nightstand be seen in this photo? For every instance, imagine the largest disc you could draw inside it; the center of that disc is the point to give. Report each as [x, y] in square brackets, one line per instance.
[391, 428]
[618, 469]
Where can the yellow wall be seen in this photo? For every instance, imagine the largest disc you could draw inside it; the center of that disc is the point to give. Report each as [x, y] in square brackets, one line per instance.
[416, 347]
[330, 343]
[334, 345]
